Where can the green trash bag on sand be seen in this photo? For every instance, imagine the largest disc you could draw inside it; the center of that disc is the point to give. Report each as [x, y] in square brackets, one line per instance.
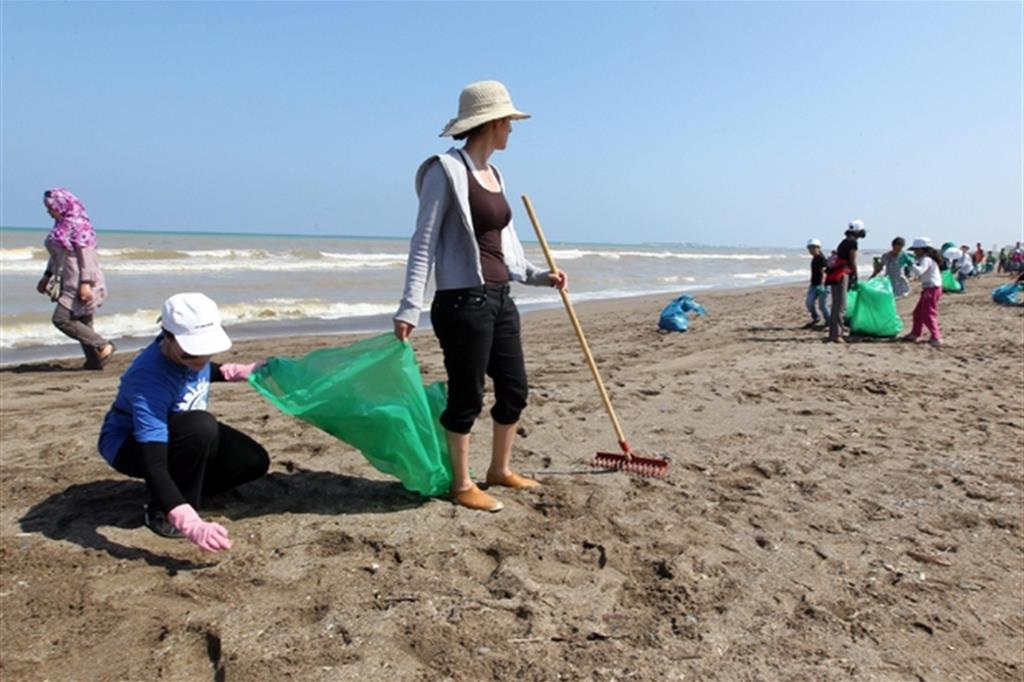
[851, 305]
[875, 314]
[369, 394]
[950, 284]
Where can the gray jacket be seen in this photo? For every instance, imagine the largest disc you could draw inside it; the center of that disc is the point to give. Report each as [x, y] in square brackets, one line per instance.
[444, 235]
[76, 267]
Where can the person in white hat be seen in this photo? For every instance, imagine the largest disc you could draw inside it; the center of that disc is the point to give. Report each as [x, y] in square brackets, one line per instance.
[158, 427]
[842, 274]
[817, 292]
[464, 231]
[926, 312]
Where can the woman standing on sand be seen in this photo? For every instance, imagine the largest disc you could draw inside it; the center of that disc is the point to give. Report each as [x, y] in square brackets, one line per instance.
[73, 278]
[464, 227]
[842, 274]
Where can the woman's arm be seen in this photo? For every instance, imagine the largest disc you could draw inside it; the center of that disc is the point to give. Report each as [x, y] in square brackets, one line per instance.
[212, 537]
[434, 202]
[233, 371]
[88, 271]
[149, 428]
[47, 274]
[918, 267]
[158, 476]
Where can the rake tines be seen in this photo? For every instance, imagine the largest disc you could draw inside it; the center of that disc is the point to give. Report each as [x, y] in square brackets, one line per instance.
[643, 466]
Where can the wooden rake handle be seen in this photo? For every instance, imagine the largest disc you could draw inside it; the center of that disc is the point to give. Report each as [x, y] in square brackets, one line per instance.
[579, 330]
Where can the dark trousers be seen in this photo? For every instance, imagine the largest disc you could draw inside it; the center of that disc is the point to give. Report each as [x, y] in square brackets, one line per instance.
[79, 327]
[204, 457]
[835, 320]
[479, 333]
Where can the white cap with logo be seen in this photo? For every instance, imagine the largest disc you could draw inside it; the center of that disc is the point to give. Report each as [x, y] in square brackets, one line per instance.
[194, 320]
[813, 242]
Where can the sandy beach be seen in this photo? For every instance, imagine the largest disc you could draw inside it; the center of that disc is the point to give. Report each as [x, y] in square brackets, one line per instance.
[831, 512]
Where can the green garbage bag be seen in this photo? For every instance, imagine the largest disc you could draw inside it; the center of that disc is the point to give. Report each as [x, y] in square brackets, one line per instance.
[875, 314]
[851, 304]
[950, 284]
[369, 394]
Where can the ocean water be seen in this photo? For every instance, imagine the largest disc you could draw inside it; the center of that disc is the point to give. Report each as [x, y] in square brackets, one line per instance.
[278, 285]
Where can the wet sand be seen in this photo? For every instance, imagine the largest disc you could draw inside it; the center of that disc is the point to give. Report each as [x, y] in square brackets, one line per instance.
[831, 512]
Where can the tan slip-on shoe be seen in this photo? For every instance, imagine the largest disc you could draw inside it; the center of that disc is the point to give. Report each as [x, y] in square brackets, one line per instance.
[474, 498]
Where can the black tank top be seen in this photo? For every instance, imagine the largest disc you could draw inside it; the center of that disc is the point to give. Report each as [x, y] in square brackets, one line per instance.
[490, 213]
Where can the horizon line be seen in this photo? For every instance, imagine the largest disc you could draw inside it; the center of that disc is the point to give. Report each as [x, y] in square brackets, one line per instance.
[306, 235]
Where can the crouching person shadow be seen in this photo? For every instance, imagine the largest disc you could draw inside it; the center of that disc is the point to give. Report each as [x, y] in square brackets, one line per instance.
[97, 514]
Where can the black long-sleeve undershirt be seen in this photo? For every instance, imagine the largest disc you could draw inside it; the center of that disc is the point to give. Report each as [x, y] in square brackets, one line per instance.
[155, 470]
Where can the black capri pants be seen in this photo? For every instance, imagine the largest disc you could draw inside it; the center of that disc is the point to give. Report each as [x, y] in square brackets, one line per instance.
[204, 457]
[479, 333]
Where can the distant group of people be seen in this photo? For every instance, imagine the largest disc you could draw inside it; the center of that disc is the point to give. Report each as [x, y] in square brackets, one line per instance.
[1010, 261]
[837, 274]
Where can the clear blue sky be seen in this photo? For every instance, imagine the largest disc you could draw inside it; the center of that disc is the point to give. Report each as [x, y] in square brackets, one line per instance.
[759, 124]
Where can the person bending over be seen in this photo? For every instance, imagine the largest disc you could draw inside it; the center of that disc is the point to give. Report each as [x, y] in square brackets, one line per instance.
[158, 428]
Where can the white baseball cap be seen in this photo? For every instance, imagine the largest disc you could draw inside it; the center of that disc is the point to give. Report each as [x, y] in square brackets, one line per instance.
[921, 243]
[856, 226]
[813, 242]
[194, 320]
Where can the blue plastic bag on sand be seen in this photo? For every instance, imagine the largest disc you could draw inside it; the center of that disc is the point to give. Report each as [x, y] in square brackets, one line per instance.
[1007, 294]
[369, 394]
[675, 316]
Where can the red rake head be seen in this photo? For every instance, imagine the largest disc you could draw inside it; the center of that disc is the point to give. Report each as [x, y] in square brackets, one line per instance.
[644, 466]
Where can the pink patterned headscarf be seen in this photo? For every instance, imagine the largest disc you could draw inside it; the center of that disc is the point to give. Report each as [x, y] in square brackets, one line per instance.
[72, 228]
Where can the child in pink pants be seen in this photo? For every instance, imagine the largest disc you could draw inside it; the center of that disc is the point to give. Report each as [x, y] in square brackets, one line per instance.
[926, 313]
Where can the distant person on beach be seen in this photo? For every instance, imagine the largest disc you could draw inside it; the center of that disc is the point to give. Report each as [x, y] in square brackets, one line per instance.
[1004, 261]
[964, 267]
[817, 292]
[842, 274]
[979, 259]
[892, 262]
[464, 228]
[73, 278]
[926, 313]
[158, 427]
[1017, 258]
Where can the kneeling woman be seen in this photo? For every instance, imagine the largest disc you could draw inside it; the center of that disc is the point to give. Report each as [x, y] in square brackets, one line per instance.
[158, 427]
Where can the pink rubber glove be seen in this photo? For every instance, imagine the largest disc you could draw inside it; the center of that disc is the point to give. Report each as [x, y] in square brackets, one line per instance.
[234, 372]
[210, 536]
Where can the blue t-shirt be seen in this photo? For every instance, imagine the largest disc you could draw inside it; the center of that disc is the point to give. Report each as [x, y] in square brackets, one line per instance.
[151, 390]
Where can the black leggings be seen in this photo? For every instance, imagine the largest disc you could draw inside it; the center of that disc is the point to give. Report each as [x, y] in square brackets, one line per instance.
[204, 457]
[479, 333]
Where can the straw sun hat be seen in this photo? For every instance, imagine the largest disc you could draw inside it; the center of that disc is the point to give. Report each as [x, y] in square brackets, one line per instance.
[479, 103]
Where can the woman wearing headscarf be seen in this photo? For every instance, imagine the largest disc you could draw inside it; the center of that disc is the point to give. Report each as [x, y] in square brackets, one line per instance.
[73, 278]
[464, 228]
